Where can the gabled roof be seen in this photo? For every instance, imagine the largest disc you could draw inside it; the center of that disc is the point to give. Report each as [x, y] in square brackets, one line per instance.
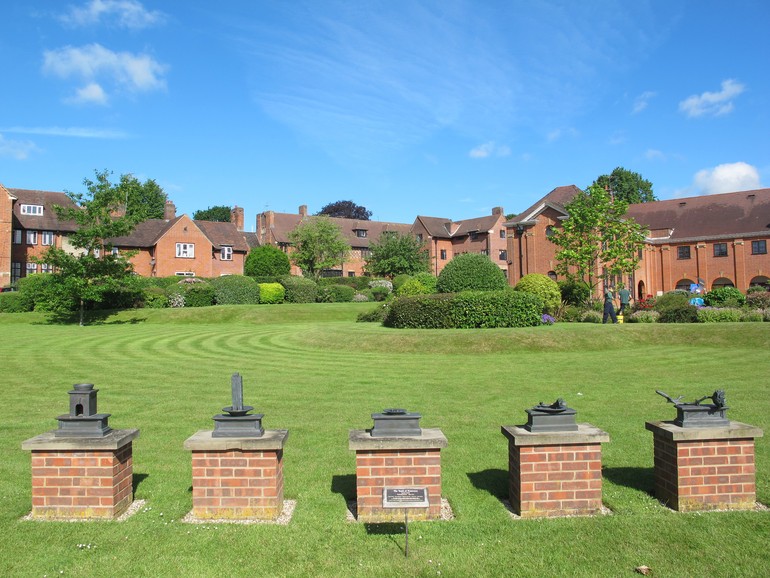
[149, 232]
[727, 215]
[436, 226]
[285, 223]
[441, 228]
[556, 199]
[220, 233]
[48, 221]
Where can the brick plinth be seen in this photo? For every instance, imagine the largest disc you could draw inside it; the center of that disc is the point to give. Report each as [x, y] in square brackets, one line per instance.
[555, 474]
[397, 462]
[700, 469]
[72, 479]
[237, 478]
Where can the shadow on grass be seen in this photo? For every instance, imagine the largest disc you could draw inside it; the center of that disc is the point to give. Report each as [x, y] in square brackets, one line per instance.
[345, 485]
[493, 481]
[138, 479]
[91, 317]
[641, 479]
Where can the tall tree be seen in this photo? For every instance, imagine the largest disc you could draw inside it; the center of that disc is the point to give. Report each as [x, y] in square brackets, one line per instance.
[627, 186]
[92, 271]
[346, 210]
[597, 239]
[395, 254]
[220, 213]
[318, 244]
[143, 201]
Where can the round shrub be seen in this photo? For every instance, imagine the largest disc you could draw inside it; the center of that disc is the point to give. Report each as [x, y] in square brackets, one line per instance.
[14, 302]
[428, 281]
[758, 299]
[235, 290]
[198, 294]
[724, 297]
[266, 261]
[380, 293]
[644, 316]
[155, 297]
[469, 272]
[542, 286]
[574, 292]
[677, 313]
[591, 316]
[299, 289]
[271, 293]
[335, 294]
[37, 294]
[671, 299]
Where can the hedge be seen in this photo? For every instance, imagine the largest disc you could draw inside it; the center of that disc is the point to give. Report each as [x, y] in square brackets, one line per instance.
[470, 272]
[335, 294]
[299, 289]
[235, 290]
[14, 302]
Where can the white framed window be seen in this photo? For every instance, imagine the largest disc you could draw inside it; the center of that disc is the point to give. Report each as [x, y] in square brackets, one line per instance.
[47, 238]
[185, 250]
[32, 209]
[97, 252]
[226, 253]
[361, 233]
[31, 268]
[31, 237]
[15, 272]
[17, 236]
[46, 268]
[115, 251]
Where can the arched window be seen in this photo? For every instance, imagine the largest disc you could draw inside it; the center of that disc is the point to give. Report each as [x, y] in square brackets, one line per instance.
[684, 284]
[552, 275]
[722, 282]
[549, 231]
[760, 280]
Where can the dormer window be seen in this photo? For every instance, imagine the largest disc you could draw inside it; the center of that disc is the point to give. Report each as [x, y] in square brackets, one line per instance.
[226, 253]
[361, 233]
[32, 210]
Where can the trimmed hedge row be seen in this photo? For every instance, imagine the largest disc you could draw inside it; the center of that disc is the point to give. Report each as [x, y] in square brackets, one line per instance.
[465, 310]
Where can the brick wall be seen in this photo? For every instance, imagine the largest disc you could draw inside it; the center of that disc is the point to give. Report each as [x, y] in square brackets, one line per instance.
[376, 469]
[82, 484]
[555, 480]
[705, 474]
[237, 484]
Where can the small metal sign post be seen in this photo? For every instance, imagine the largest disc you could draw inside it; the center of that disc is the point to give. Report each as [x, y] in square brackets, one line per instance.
[406, 498]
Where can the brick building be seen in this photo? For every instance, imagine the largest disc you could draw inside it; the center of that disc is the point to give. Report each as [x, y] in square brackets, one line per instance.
[446, 238]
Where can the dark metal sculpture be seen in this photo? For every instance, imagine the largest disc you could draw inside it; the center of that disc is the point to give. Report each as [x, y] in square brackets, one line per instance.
[238, 422]
[693, 414]
[83, 421]
[396, 422]
[556, 417]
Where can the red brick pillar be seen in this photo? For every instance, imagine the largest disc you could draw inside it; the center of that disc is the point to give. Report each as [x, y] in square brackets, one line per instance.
[81, 478]
[555, 473]
[237, 478]
[397, 462]
[705, 468]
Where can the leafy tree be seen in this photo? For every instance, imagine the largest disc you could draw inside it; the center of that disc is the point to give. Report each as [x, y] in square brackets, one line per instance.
[219, 213]
[346, 210]
[318, 244]
[470, 271]
[396, 254]
[627, 186]
[266, 261]
[597, 237]
[143, 200]
[93, 273]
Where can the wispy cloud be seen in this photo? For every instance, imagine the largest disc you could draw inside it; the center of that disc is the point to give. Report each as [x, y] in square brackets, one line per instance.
[489, 149]
[712, 103]
[95, 65]
[122, 13]
[15, 149]
[642, 101]
[76, 132]
[654, 155]
[560, 133]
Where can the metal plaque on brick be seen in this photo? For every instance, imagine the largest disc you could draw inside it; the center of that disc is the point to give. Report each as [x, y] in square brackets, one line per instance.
[405, 497]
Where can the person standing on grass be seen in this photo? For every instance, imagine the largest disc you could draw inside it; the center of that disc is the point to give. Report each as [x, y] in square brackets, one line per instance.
[625, 299]
[609, 305]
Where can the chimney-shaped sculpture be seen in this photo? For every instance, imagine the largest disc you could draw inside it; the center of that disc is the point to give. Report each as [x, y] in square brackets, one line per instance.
[83, 421]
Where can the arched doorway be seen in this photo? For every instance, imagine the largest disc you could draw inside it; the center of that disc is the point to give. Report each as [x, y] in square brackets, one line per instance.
[684, 284]
[722, 282]
[640, 293]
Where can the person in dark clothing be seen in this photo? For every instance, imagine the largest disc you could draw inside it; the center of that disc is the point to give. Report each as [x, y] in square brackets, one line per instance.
[625, 299]
[609, 306]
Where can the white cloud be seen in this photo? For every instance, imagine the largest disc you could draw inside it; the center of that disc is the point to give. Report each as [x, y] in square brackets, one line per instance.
[123, 13]
[489, 149]
[15, 149]
[654, 155]
[134, 72]
[560, 133]
[712, 103]
[78, 132]
[642, 101]
[727, 178]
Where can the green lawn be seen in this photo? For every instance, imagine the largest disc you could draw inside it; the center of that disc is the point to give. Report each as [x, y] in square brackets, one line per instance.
[313, 370]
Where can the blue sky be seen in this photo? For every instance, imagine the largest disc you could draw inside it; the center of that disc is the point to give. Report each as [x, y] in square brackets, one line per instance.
[442, 107]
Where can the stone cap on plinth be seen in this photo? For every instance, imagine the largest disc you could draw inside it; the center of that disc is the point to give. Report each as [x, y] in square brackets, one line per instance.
[585, 434]
[735, 430]
[361, 439]
[50, 441]
[272, 439]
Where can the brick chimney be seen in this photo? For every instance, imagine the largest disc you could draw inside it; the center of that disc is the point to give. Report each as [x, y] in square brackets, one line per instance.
[169, 211]
[498, 211]
[303, 210]
[236, 217]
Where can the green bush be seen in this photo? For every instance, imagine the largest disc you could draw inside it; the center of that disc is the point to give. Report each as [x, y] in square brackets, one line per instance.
[753, 316]
[14, 302]
[361, 297]
[719, 314]
[154, 297]
[571, 314]
[271, 293]
[671, 299]
[677, 313]
[542, 286]
[644, 316]
[724, 297]
[357, 283]
[162, 282]
[469, 309]
[335, 294]
[591, 316]
[428, 281]
[37, 293]
[471, 272]
[380, 293]
[413, 287]
[758, 299]
[574, 292]
[235, 290]
[376, 315]
[399, 280]
[299, 289]
[266, 261]
[199, 294]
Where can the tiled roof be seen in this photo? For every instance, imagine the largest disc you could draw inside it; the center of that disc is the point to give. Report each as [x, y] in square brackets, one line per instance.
[557, 198]
[223, 234]
[48, 221]
[146, 234]
[436, 226]
[727, 215]
[285, 223]
[441, 228]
